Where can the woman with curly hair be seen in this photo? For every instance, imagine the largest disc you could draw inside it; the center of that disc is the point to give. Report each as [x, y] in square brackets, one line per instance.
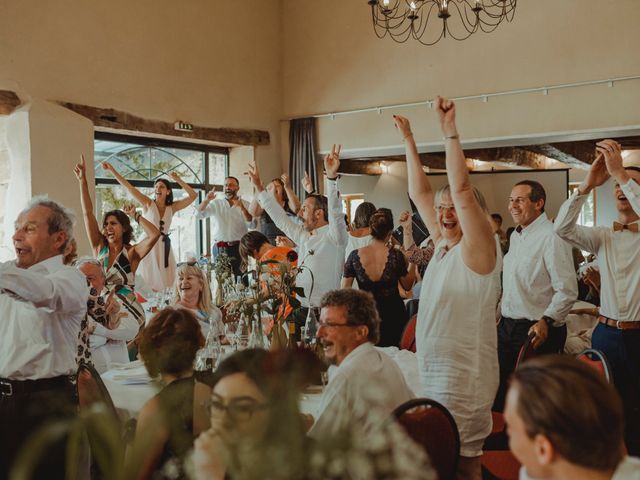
[112, 244]
[164, 432]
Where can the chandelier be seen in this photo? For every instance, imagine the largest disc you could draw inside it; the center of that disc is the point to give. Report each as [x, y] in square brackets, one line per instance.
[429, 21]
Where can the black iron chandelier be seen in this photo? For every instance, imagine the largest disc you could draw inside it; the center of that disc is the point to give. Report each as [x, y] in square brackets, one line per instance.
[429, 21]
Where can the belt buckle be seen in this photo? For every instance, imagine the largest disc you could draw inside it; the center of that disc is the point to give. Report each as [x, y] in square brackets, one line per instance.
[618, 325]
[9, 393]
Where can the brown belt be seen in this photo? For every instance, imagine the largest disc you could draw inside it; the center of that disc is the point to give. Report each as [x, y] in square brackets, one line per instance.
[610, 322]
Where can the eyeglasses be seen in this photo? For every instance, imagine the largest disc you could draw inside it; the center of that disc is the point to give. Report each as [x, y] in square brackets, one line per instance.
[239, 410]
[445, 206]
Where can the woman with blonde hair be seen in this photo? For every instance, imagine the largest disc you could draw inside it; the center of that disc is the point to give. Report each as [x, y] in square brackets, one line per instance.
[456, 339]
[192, 292]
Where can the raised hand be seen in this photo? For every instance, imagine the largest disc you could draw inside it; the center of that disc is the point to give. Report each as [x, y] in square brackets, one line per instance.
[403, 126]
[332, 162]
[175, 177]
[254, 175]
[285, 179]
[405, 220]
[236, 202]
[79, 169]
[596, 176]
[447, 113]
[130, 210]
[107, 166]
[612, 152]
[211, 195]
[307, 184]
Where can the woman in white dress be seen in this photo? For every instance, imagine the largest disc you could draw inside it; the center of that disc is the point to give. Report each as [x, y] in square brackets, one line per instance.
[455, 334]
[158, 269]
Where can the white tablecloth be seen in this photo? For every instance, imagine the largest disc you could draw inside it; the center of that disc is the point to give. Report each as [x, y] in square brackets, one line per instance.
[130, 386]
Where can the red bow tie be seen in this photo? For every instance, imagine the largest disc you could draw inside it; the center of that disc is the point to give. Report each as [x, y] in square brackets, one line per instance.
[618, 227]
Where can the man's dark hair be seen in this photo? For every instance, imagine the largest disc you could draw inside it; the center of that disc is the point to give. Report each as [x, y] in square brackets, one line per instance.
[321, 202]
[361, 309]
[572, 405]
[537, 191]
[363, 214]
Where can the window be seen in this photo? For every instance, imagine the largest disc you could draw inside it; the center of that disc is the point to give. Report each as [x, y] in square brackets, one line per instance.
[142, 161]
[349, 204]
[587, 216]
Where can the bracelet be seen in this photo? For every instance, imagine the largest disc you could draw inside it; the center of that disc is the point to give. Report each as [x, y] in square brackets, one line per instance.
[451, 137]
[312, 192]
[137, 216]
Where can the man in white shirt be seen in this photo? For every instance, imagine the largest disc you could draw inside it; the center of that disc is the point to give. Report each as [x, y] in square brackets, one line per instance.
[565, 422]
[539, 283]
[367, 385]
[110, 327]
[321, 238]
[230, 217]
[42, 303]
[617, 250]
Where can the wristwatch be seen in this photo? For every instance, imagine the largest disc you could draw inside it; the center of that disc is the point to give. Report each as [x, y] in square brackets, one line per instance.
[550, 321]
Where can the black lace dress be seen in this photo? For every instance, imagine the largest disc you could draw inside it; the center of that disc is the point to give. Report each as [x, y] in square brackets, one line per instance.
[393, 315]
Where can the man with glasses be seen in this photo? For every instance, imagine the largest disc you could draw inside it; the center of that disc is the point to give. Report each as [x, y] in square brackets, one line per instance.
[539, 283]
[362, 379]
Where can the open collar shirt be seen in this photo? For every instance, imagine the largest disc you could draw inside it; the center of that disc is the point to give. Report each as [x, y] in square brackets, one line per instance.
[229, 224]
[41, 309]
[366, 378]
[321, 251]
[538, 275]
[617, 253]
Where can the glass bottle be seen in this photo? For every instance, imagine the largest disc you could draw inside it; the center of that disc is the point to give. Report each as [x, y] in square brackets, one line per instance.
[311, 327]
[291, 342]
[256, 338]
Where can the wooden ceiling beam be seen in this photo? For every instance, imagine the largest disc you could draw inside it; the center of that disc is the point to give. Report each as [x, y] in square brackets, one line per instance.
[9, 101]
[119, 120]
[361, 167]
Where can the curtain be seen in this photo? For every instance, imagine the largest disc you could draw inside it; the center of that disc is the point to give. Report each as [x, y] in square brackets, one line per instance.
[302, 154]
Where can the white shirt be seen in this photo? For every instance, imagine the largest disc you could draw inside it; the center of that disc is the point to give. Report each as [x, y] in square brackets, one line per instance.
[229, 224]
[618, 255]
[40, 309]
[110, 346]
[538, 275]
[355, 243]
[628, 469]
[366, 378]
[321, 251]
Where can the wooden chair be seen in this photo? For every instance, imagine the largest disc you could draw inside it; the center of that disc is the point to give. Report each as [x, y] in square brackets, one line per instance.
[431, 425]
[499, 465]
[408, 339]
[598, 360]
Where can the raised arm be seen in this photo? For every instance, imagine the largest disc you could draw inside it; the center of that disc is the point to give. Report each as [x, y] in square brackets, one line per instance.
[239, 203]
[307, 184]
[291, 229]
[612, 152]
[191, 193]
[292, 198]
[254, 207]
[206, 208]
[419, 188]
[90, 222]
[140, 197]
[478, 242]
[337, 224]
[144, 246]
[585, 238]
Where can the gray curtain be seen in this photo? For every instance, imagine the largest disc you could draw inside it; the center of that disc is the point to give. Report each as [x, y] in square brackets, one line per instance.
[302, 154]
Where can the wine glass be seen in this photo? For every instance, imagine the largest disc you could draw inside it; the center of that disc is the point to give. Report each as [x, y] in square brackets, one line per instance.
[231, 332]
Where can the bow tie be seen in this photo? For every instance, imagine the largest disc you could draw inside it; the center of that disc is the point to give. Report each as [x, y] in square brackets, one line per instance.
[618, 227]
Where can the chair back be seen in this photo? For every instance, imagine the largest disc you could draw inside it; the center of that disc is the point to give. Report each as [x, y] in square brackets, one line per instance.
[408, 339]
[91, 389]
[598, 360]
[431, 425]
[527, 350]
